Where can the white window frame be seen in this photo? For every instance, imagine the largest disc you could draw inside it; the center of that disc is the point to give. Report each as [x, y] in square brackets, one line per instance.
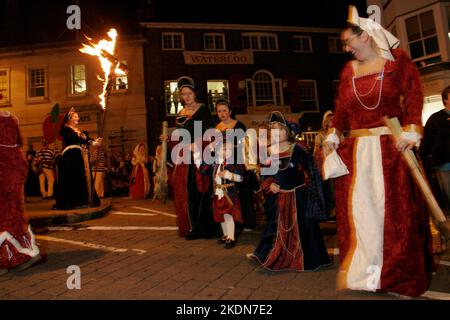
[274, 93]
[71, 81]
[316, 100]
[338, 43]
[259, 36]
[214, 35]
[6, 102]
[126, 76]
[168, 99]
[302, 38]
[277, 90]
[212, 100]
[407, 42]
[172, 34]
[28, 69]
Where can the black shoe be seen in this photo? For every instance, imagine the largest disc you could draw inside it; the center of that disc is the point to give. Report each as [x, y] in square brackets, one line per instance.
[230, 244]
[222, 240]
[26, 265]
[192, 236]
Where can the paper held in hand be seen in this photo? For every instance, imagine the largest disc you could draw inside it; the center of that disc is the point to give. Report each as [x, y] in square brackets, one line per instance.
[333, 166]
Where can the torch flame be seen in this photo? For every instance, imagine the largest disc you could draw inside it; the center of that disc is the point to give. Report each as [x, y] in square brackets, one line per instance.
[105, 51]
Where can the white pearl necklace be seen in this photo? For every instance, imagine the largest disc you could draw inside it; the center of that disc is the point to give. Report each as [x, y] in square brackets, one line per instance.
[358, 95]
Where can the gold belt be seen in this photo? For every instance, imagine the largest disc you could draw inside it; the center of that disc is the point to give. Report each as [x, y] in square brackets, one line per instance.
[379, 131]
[225, 186]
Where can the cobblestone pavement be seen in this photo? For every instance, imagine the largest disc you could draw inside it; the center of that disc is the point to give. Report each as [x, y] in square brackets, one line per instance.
[135, 253]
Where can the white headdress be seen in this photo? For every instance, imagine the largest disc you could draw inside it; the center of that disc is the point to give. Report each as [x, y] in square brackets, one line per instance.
[383, 38]
[137, 154]
[325, 116]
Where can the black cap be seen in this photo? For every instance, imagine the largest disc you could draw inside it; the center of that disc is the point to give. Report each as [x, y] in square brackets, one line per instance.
[186, 82]
[277, 116]
[224, 102]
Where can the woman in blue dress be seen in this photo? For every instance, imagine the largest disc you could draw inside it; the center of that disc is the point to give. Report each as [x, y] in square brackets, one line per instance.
[295, 203]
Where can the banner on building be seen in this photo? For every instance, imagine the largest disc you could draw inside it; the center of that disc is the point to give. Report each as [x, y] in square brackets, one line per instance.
[229, 57]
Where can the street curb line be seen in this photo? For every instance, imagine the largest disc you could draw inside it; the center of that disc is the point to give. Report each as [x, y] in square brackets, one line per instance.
[69, 218]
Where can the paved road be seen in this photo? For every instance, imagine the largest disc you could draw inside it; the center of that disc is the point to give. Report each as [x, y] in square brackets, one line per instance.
[135, 253]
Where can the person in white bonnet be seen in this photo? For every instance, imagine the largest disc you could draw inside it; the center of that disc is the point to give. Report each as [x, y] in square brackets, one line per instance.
[320, 138]
[318, 154]
[383, 227]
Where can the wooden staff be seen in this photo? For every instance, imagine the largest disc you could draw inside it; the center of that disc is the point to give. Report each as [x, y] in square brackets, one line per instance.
[419, 177]
[161, 188]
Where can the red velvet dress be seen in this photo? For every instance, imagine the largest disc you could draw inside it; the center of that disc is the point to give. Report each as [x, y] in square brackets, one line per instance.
[17, 242]
[140, 183]
[383, 229]
[192, 190]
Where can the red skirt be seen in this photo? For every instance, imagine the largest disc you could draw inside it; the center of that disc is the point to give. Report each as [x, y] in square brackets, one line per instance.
[17, 244]
[137, 187]
[222, 207]
[179, 184]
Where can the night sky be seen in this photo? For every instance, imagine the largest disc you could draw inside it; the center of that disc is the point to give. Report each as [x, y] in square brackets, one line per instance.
[32, 22]
[314, 13]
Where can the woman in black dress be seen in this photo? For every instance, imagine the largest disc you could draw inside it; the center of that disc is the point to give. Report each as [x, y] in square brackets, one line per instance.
[192, 190]
[75, 185]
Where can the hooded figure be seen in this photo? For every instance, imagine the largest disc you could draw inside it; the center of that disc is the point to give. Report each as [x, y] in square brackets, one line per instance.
[139, 179]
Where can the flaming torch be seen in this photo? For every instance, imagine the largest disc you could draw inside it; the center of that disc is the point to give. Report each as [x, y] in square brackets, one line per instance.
[105, 50]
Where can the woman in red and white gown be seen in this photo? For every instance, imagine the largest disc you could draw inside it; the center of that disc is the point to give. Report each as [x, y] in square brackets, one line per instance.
[383, 228]
[18, 247]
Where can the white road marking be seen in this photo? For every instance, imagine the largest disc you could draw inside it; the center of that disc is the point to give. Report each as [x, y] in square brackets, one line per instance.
[140, 252]
[119, 213]
[61, 228]
[133, 228]
[82, 244]
[156, 211]
[107, 228]
[437, 295]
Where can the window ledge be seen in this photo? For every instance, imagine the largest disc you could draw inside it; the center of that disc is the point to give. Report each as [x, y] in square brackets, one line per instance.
[37, 101]
[263, 50]
[120, 91]
[77, 96]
